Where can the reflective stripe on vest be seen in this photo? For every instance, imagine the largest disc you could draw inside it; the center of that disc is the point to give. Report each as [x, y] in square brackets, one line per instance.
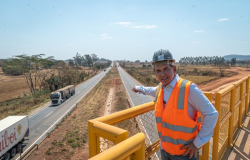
[179, 128]
[159, 133]
[182, 94]
[199, 120]
[176, 141]
[157, 92]
[158, 119]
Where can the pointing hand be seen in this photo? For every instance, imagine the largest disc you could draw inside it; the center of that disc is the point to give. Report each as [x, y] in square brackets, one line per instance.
[135, 90]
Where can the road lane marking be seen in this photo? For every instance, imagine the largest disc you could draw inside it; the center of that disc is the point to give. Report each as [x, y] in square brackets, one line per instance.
[49, 114]
[38, 112]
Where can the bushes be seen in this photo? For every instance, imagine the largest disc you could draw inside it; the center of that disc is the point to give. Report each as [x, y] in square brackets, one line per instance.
[148, 79]
[69, 77]
[12, 70]
[196, 72]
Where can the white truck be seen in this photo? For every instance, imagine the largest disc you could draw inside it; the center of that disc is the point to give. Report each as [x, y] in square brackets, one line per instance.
[59, 96]
[13, 129]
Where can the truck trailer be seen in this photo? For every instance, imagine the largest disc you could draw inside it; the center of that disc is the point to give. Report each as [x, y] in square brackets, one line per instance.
[13, 129]
[61, 95]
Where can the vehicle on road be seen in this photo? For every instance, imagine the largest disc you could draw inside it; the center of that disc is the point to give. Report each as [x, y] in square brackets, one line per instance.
[13, 129]
[61, 95]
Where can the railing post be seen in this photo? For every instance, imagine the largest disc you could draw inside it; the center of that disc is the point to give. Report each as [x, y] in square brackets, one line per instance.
[205, 148]
[93, 146]
[217, 128]
[241, 104]
[247, 98]
[133, 147]
[140, 153]
[231, 119]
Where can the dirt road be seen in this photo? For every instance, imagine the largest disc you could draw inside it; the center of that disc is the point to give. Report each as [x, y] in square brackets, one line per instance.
[221, 83]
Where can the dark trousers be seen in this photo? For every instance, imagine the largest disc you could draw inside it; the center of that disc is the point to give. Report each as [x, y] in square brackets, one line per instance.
[167, 156]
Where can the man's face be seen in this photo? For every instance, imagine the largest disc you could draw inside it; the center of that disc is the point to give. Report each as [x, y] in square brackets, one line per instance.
[165, 73]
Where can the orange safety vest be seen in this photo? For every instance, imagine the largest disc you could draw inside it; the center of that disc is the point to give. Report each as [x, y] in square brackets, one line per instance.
[175, 127]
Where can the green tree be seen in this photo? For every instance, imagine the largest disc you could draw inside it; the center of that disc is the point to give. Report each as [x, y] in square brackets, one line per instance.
[78, 60]
[247, 62]
[88, 60]
[94, 58]
[71, 63]
[233, 61]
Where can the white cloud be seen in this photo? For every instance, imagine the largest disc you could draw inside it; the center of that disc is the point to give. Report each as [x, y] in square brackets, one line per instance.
[199, 31]
[145, 26]
[105, 36]
[129, 24]
[124, 23]
[223, 19]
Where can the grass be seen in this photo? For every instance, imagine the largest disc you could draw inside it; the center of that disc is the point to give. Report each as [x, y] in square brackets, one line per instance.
[23, 105]
[71, 140]
[12, 87]
[199, 79]
[48, 152]
[122, 99]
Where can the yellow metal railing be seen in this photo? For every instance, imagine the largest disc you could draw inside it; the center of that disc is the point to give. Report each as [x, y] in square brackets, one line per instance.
[110, 134]
[232, 104]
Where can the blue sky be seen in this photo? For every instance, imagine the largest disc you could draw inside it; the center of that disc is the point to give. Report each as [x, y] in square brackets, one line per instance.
[124, 29]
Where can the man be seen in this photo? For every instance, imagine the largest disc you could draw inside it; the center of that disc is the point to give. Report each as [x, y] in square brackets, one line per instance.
[179, 104]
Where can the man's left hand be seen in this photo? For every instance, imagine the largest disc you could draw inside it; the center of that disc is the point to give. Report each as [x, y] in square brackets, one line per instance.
[192, 149]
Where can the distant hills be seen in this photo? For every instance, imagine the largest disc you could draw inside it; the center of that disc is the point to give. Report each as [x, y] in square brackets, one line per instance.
[238, 57]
